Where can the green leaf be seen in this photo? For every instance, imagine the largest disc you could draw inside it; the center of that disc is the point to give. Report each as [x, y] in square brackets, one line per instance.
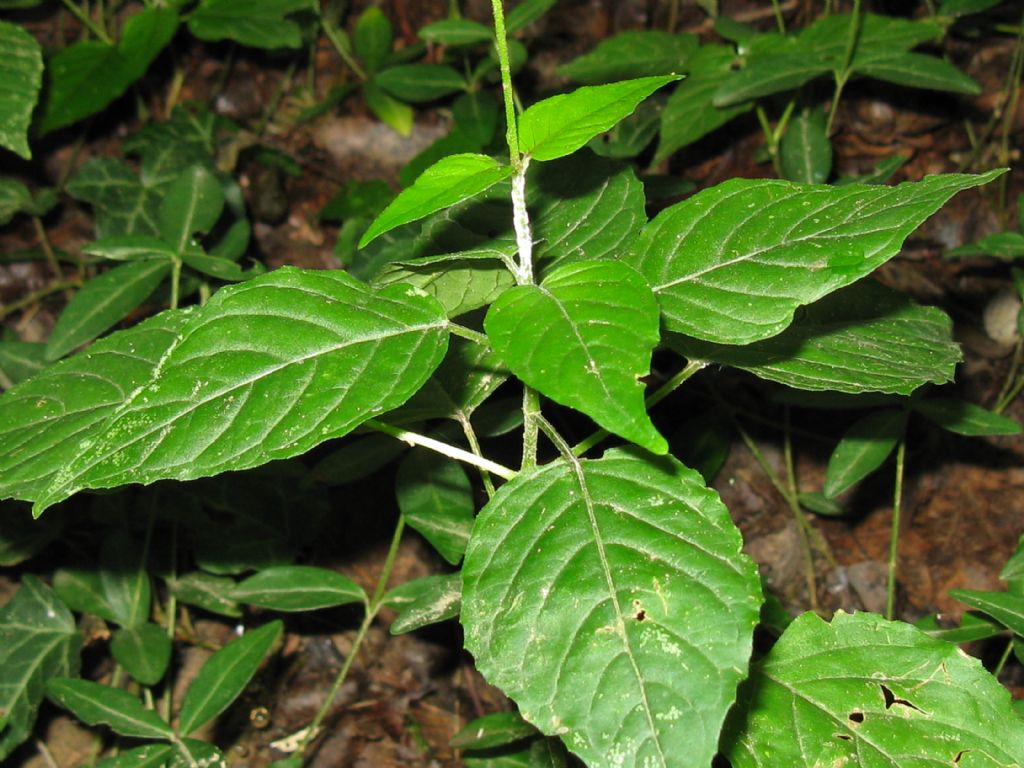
[124, 579]
[583, 208]
[426, 601]
[85, 77]
[461, 282]
[560, 125]
[82, 591]
[40, 641]
[97, 704]
[121, 204]
[146, 756]
[71, 400]
[476, 114]
[972, 627]
[266, 369]
[130, 248]
[372, 38]
[298, 588]
[632, 135]
[630, 55]
[20, 360]
[416, 83]
[225, 675]
[732, 263]
[14, 196]
[192, 204]
[21, 77]
[863, 691]
[690, 112]
[103, 302]
[192, 752]
[436, 499]
[355, 460]
[1002, 245]
[144, 651]
[805, 154]
[584, 338]
[862, 338]
[525, 13]
[215, 266]
[233, 245]
[204, 590]
[469, 374]
[863, 449]
[494, 730]
[963, 7]
[456, 32]
[257, 23]
[963, 418]
[1005, 607]
[611, 600]
[390, 110]
[452, 180]
[916, 70]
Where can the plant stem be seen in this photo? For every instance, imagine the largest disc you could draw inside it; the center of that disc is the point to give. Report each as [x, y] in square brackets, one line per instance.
[531, 414]
[1012, 384]
[451, 451]
[340, 45]
[474, 446]
[275, 99]
[894, 531]
[779, 21]
[652, 400]
[469, 333]
[1003, 658]
[1011, 99]
[500, 41]
[372, 607]
[31, 298]
[843, 74]
[172, 617]
[521, 223]
[88, 23]
[44, 243]
[802, 524]
[175, 282]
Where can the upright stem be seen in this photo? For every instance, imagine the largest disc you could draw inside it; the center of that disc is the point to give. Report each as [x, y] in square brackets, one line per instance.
[843, 74]
[372, 608]
[88, 23]
[500, 41]
[451, 451]
[779, 21]
[531, 414]
[894, 532]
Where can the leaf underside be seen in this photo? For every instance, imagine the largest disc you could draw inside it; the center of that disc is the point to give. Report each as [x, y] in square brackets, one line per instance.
[611, 601]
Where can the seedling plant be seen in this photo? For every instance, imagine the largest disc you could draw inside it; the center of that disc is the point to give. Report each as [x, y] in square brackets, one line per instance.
[603, 589]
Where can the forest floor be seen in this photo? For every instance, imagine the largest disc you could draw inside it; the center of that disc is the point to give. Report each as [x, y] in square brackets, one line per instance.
[962, 500]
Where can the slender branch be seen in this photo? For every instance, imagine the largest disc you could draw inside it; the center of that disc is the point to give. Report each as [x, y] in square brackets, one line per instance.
[474, 446]
[521, 223]
[451, 451]
[31, 298]
[531, 413]
[88, 23]
[843, 74]
[894, 534]
[469, 333]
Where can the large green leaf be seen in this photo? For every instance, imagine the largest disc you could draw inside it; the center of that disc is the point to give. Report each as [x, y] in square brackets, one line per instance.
[265, 370]
[689, 112]
[560, 125]
[732, 263]
[864, 692]
[611, 600]
[632, 54]
[258, 23]
[584, 338]
[452, 180]
[21, 77]
[225, 675]
[104, 301]
[97, 704]
[38, 641]
[863, 338]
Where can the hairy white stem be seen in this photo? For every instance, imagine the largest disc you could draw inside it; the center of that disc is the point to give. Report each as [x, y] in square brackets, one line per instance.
[451, 451]
[521, 222]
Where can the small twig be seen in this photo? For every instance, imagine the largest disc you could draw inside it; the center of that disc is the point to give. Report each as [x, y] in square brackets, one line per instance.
[894, 533]
[451, 451]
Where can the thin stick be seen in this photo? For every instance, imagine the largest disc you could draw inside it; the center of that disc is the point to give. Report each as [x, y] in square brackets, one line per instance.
[451, 451]
[894, 533]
